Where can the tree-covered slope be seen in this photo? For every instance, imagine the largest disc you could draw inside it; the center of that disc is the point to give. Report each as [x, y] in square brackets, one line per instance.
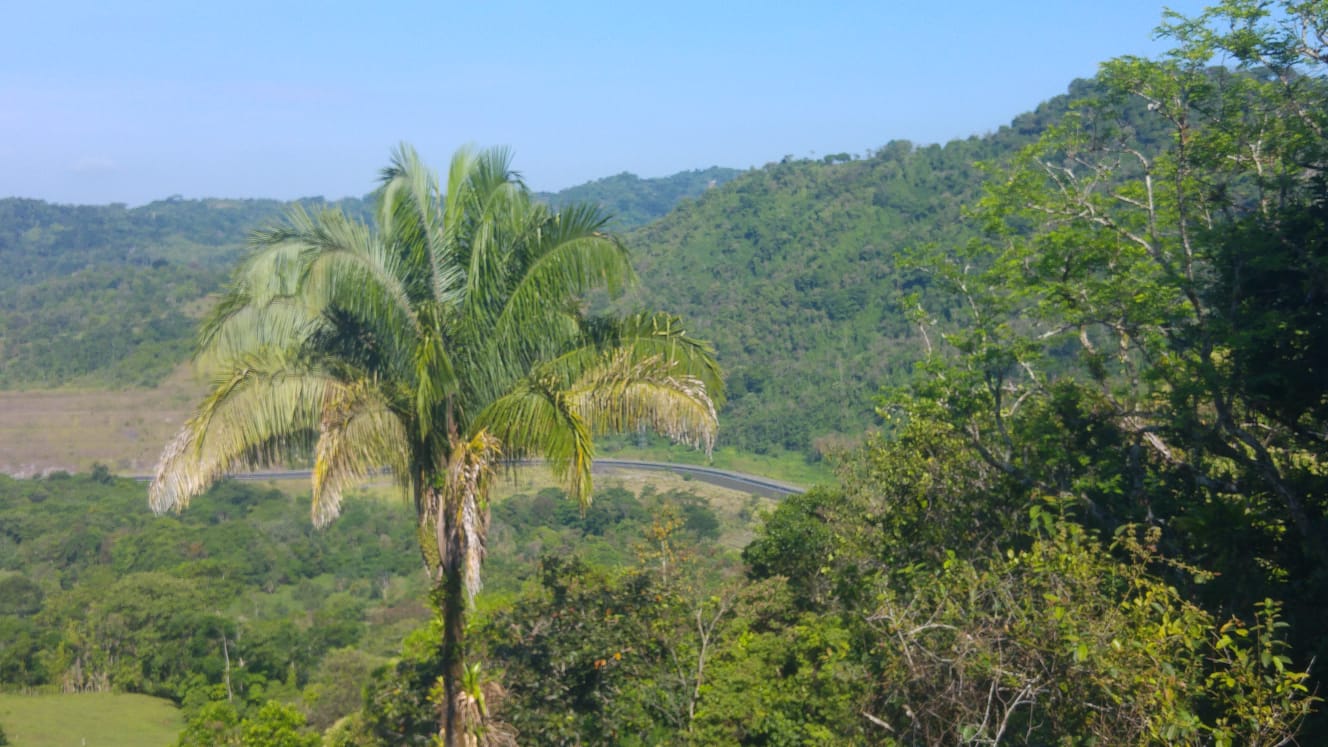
[633, 201]
[791, 270]
[108, 295]
[239, 601]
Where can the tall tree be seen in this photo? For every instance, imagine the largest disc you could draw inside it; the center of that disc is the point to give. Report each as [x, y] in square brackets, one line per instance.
[1143, 324]
[448, 339]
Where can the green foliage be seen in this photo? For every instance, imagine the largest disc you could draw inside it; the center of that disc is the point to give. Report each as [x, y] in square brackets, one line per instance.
[398, 709]
[213, 724]
[624, 655]
[780, 676]
[1136, 342]
[1038, 630]
[792, 271]
[145, 632]
[277, 725]
[101, 325]
[581, 650]
[107, 296]
[1272, 277]
[337, 687]
[22, 641]
[270, 725]
[631, 201]
[796, 542]
[1063, 639]
[103, 596]
[591, 646]
[19, 595]
[526, 528]
[100, 596]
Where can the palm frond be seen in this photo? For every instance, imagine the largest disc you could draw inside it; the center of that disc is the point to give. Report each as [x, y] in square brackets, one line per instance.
[574, 221]
[269, 274]
[415, 223]
[181, 474]
[492, 172]
[357, 436]
[457, 198]
[535, 419]
[664, 335]
[348, 269]
[275, 266]
[255, 417]
[539, 318]
[566, 270]
[434, 376]
[281, 323]
[485, 277]
[641, 337]
[626, 393]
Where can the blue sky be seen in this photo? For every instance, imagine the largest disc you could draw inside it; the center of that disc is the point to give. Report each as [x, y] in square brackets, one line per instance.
[133, 101]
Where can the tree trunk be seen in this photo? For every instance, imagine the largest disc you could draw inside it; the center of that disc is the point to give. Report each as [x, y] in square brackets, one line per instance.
[452, 604]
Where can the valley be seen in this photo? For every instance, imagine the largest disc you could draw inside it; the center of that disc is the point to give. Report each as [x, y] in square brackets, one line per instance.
[1039, 416]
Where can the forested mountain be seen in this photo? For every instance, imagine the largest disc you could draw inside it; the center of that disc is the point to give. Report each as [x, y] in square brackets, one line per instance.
[633, 201]
[109, 295]
[1094, 513]
[793, 271]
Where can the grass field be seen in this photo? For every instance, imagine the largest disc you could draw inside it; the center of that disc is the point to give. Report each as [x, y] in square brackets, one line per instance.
[69, 429]
[89, 720]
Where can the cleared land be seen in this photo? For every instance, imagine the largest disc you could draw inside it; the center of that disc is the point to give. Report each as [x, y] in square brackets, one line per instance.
[61, 429]
[70, 429]
[89, 720]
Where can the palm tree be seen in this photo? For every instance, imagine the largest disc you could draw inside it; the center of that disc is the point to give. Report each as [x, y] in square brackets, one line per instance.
[447, 341]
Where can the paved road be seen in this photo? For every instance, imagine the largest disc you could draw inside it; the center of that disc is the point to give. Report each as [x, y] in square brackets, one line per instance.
[721, 477]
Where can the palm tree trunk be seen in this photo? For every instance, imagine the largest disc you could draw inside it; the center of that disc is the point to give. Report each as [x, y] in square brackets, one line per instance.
[453, 607]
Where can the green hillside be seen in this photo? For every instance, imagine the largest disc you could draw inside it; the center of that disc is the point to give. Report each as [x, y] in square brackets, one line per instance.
[108, 296]
[792, 271]
[1094, 515]
[633, 202]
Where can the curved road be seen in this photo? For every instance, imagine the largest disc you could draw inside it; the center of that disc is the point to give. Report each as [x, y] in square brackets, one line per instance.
[724, 478]
[721, 477]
